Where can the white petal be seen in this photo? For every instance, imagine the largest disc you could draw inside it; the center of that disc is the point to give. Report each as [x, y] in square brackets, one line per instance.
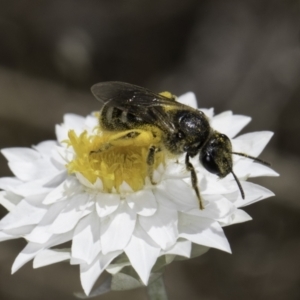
[212, 185]
[215, 209]
[61, 133]
[253, 193]
[36, 200]
[222, 121]
[238, 122]
[202, 231]
[91, 122]
[142, 202]
[62, 192]
[28, 253]
[175, 171]
[84, 181]
[242, 167]
[239, 216]
[89, 207]
[86, 240]
[20, 231]
[117, 267]
[116, 229]
[57, 179]
[229, 124]
[106, 203]
[33, 170]
[98, 185]
[75, 261]
[257, 170]
[58, 194]
[70, 215]
[6, 236]
[105, 287]
[45, 148]
[41, 234]
[245, 168]
[125, 188]
[9, 200]
[32, 249]
[142, 253]
[49, 257]
[22, 215]
[30, 188]
[188, 99]
[61, 156]
[7, 182]
[73, 121]
[20, 154]
[90, 273]
[177, 194]
[162, 226]
[251, 143]
[209, 112]
[181, 248]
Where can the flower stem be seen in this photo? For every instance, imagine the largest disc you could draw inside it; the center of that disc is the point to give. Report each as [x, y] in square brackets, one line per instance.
[156, 290]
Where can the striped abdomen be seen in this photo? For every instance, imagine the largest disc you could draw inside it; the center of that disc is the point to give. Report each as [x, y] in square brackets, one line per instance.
[113, 118]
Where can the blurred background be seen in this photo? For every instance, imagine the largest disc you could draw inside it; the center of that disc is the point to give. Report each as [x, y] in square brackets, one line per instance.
[240, 55]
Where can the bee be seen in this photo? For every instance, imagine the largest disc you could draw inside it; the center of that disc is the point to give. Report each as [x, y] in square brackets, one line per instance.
[182, 129]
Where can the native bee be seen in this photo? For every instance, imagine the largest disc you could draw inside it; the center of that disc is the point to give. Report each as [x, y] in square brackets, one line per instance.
[129, 108]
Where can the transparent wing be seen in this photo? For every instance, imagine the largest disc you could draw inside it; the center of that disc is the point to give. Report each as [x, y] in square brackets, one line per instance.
[138, 101]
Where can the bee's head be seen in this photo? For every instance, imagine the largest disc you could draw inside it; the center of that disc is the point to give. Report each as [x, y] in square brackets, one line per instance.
[216, 155]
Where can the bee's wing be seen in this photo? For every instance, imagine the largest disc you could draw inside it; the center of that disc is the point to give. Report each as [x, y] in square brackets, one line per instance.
[138, 101]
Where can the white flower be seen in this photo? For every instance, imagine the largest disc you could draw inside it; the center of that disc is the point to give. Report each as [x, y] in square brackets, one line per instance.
[114, 217]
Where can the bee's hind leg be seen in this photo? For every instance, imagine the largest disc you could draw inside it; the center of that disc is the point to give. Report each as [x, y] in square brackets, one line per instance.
[115, 139]
[103, 147]
[150, 162]
[194, 179]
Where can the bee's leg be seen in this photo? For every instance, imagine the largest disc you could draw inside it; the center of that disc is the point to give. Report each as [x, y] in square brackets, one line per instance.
[103, 147]
[194, 179]
[129, 135]
[150, 162]
[118, 137]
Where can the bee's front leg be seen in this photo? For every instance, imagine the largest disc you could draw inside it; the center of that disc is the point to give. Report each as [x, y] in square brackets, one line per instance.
[194, 179]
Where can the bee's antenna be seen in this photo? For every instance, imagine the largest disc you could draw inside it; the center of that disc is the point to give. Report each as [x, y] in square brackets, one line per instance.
[254, 158]
[239, 184]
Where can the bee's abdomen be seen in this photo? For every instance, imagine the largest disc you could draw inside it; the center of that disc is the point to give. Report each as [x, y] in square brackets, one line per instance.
[113, 118]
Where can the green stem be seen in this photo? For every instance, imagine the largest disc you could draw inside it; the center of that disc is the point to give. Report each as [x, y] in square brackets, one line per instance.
[156, 290]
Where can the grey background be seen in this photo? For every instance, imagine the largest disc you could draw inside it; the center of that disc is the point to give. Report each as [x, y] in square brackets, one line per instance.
[242, 55]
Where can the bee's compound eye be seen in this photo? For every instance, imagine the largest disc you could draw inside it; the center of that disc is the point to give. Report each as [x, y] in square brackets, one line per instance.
[209, 164]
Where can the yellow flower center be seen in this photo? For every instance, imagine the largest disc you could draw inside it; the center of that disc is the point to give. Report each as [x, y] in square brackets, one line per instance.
[114, 157]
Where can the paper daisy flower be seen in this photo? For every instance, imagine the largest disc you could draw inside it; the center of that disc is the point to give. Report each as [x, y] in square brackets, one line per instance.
[104, 203]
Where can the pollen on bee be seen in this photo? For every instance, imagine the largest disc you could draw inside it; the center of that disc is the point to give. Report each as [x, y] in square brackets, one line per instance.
[167, 94]
[114, 157]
